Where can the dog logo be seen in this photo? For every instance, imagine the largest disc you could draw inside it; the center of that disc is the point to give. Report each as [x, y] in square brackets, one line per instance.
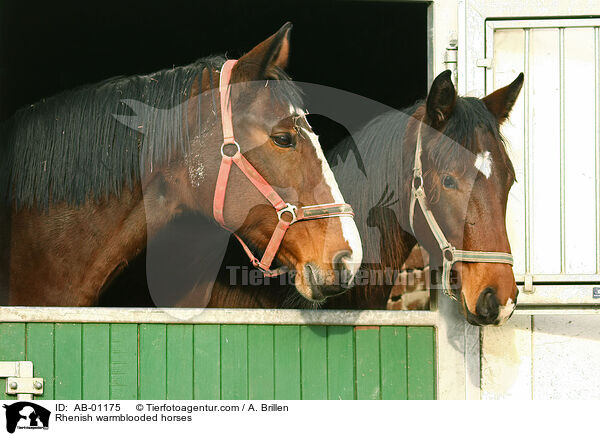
[25, 415]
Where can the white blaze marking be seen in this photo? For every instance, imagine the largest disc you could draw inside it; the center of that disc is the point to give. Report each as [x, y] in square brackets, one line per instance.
[484, 163]
[506, 311]
[349, 229]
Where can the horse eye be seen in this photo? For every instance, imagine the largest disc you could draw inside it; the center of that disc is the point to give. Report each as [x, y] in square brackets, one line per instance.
[284, 140]
[449, 182]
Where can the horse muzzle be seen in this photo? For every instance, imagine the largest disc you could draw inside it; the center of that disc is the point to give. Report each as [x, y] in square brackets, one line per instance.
[489, 311]
[317, 284]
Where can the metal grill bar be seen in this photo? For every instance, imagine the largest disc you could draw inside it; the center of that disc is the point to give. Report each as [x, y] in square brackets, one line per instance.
[527, 158]
[560, 278]
[561, 81]
[597, 140]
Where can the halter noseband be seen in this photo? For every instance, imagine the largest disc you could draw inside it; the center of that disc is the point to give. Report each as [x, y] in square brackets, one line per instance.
[287, 213]
[450, 254]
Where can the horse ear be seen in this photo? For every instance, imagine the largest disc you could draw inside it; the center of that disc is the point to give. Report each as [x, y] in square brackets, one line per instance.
[441, 100]
[272, 52]
[501, 101]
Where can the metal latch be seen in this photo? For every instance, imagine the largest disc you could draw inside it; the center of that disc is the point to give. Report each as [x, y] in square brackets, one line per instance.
[20, 380]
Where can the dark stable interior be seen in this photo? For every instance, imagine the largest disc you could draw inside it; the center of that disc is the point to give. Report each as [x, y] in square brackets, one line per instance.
[374, 49]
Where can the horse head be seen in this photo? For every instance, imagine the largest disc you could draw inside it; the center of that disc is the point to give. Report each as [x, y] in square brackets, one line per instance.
[279, 184]
[467, 175]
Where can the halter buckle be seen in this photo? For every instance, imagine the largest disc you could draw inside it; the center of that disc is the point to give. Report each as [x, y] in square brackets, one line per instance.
[450, 293]
[223, 154]
[291, 209]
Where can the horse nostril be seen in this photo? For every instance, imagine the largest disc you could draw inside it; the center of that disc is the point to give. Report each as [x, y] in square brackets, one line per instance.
[319, 288]
[342, 262]
[341, 258]
[488, 305]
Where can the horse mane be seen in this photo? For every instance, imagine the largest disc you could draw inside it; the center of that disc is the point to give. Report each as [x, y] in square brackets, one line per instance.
[92, 141]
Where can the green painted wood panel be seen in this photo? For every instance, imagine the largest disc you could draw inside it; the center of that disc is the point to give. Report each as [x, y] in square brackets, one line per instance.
[95, 361]
[153, 362]
[234, 362]
[394, 376]
[12, 347]
[340, 362]
[421, 365]
[100, 361]
[123, 361]
[207, 362]
[180, 362]
[313, 361]
[67, 361]
[287, 362]
[261, 378]
[40, 351]
[367, 363]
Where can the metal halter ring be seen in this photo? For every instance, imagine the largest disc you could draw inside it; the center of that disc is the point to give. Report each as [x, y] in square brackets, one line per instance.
[448, 254]
[418, 178]
[229, 143]
[288, 208]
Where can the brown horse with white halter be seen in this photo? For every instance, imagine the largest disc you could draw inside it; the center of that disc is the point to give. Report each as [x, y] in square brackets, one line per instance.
[90, 175]
[439, 174]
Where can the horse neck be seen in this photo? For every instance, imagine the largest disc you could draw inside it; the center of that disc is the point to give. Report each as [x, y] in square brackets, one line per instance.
[100, 235]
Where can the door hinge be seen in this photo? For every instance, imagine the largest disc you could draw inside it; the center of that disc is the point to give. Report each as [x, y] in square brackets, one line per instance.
[451, 57]
[20, 380]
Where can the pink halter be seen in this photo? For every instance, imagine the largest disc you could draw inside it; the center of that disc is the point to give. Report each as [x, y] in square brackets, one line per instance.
[287, 213]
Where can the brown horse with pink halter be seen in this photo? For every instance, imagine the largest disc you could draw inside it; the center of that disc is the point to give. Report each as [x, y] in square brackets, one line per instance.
[91, 176]
[287, 213]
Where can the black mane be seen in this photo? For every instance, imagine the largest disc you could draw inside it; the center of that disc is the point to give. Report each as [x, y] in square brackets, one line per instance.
[90, 142]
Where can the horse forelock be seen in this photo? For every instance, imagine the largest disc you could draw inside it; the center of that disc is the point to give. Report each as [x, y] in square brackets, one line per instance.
[282, 91]
[470, 122]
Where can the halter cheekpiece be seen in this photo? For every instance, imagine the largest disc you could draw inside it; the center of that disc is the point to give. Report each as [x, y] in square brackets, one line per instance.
[450, 254]
[287, 213]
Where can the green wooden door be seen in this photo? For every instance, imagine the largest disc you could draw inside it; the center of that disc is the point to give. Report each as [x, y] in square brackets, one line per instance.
[179, 361]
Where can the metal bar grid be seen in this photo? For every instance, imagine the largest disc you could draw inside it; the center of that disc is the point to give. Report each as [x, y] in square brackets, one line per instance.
[527, 26]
